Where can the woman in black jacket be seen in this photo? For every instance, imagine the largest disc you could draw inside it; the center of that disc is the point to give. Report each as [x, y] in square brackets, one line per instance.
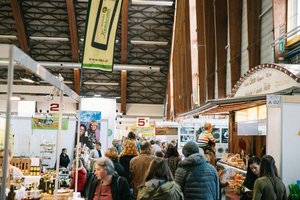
[252, 175]
[106, 183]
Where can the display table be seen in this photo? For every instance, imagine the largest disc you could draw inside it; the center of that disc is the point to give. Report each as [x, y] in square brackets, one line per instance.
[62, 195]
[32, 179]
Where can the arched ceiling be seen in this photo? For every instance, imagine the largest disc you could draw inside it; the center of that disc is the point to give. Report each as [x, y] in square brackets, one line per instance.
[53, 32]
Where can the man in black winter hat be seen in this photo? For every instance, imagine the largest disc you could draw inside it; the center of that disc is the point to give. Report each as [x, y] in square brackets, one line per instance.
[197, 178]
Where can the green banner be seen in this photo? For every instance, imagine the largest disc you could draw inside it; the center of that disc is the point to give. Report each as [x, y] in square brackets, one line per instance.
[102, 21]
[49, 123]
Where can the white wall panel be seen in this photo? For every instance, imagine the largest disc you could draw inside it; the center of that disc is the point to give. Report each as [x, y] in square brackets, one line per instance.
[266, 31]
[244, 45]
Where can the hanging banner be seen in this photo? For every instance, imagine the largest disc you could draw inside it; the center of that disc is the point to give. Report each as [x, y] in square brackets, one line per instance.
[100, 34]
[48, 123]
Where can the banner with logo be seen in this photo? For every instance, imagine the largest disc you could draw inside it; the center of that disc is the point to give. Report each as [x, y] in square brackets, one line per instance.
[48, 123]
[102, 20]
[144, 131]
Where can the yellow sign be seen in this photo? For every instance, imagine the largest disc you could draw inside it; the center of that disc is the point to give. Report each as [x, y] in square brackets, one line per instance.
[99, 43]
[298, 132]
[145, 131]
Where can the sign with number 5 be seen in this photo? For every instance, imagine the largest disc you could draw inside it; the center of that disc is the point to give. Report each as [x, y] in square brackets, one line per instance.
[142, 121]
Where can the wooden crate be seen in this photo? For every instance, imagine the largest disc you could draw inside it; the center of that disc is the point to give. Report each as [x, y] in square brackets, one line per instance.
[63, 196]
[23, 164]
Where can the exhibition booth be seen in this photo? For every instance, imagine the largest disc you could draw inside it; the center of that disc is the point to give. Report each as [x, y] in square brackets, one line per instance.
[22, 136]
[262, 113]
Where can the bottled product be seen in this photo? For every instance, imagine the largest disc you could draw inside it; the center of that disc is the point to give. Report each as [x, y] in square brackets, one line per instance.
[11, 195]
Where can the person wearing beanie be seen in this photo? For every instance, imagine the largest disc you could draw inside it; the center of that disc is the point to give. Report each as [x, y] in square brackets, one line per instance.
[197, 178]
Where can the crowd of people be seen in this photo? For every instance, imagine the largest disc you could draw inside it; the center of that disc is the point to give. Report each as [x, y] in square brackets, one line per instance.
[137, 168]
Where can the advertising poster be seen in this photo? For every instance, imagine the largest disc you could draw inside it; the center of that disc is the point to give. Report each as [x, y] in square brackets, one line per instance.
[143, 131]
[225, 135]
[89, 128]
[166, 130]
[217, 135]
[221, 148]
[101, 26]
[48, 123]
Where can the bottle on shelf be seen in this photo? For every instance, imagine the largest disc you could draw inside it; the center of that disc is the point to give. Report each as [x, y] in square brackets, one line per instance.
[11, 194]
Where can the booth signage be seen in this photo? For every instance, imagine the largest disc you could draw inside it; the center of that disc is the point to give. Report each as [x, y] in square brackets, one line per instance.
[265, 81]
[143, 131]
[101, 28]
[54, 107]
[142, 122]
[273, 100]
[281, 45]
[48, 123]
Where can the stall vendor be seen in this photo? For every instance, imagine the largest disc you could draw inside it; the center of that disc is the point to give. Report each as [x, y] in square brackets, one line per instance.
[13, 172]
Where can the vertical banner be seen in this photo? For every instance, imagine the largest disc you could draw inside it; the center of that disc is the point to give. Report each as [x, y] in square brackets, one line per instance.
[100, 34]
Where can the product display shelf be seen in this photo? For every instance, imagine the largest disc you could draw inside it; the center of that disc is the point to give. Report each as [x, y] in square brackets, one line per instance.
[234, 176]
[228, 166]
[47, 150]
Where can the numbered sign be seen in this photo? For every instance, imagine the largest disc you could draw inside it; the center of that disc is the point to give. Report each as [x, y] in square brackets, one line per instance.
[54, 107]
[142, 122]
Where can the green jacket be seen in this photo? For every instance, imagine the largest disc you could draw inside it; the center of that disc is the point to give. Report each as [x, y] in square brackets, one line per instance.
[160, 190]
[265, 190]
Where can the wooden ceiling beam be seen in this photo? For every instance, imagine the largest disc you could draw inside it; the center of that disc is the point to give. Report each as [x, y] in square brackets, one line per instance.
[73, 30]
[124, 52]
[220, 11]
[254, 31]
[209, 45]
[20, 25]
[201, 50]
[76, 73]
[235, 33]
[123, 91]
[124, 39]
[74, 42]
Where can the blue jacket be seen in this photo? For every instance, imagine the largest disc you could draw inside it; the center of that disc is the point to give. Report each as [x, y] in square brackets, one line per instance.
[197, 178]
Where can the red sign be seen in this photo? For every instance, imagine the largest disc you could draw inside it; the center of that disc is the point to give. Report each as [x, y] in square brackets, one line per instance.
[142, 122]
[54, 107]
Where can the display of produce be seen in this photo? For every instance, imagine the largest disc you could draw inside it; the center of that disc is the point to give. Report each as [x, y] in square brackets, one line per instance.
[234, 160]
[232, 170]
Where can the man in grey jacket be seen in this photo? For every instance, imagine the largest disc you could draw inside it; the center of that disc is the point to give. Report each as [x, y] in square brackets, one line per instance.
[197, 178]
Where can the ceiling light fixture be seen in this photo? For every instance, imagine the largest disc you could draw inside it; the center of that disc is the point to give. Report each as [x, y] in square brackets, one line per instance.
[97, 83]
[148, 42]
[15, 98]
[29, 78]
[154, 3]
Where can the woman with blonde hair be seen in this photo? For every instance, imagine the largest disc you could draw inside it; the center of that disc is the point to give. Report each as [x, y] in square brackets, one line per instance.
[159, 183]
[113, 155]
[129, 151]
